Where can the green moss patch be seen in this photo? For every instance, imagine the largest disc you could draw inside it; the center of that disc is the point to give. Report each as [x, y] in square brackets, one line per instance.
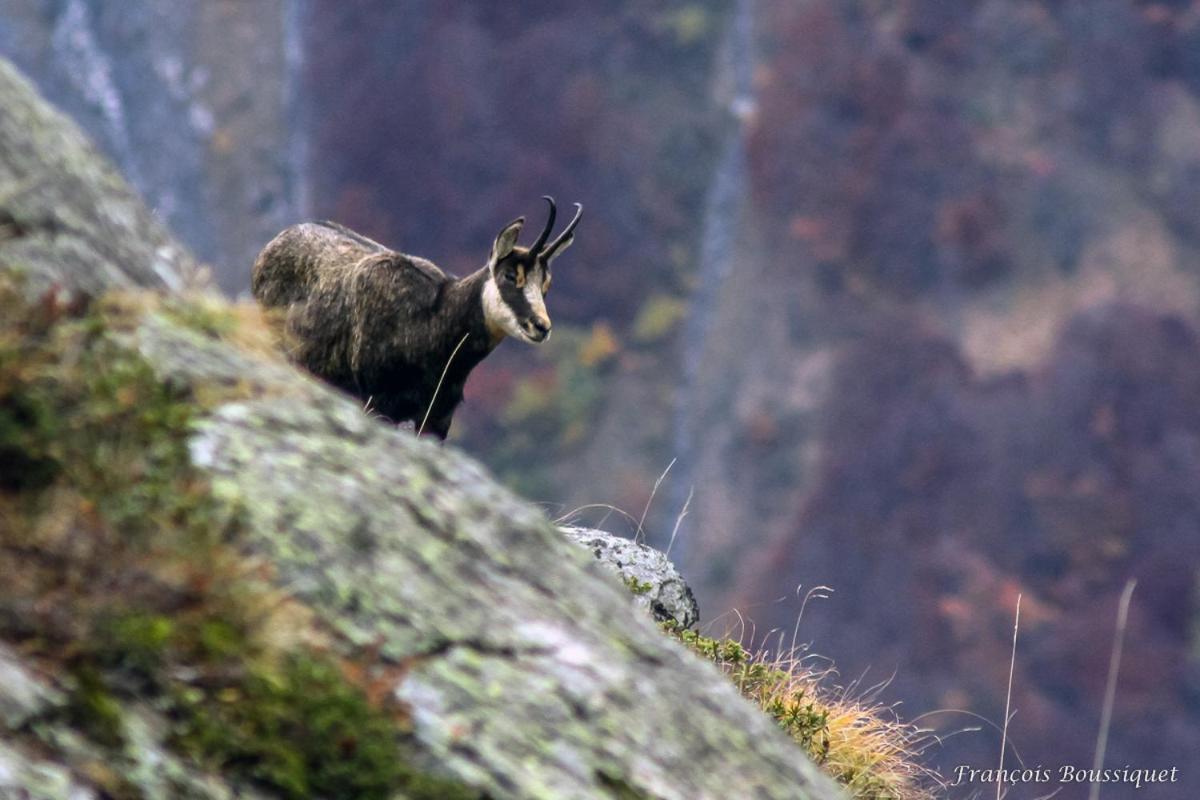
[637, 587]
[303, 731]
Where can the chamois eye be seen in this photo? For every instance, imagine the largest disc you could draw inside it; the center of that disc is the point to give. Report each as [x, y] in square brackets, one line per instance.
[510, 274]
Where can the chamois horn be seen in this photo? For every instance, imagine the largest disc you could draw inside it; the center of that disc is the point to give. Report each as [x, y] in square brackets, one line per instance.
[567, 231]
[545, 234]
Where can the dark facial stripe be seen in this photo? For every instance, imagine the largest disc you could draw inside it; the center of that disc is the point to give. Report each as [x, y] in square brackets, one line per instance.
[514, 298]
[512, 292]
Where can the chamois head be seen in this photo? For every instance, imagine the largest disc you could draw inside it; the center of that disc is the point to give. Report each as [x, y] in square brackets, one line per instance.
[514, 295]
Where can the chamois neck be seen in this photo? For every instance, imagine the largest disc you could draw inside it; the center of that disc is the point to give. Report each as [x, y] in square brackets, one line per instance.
[470, 300]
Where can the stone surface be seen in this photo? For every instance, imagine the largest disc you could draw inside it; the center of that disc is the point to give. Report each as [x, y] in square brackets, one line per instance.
[655, 583]
[22, 696]
[66, 216]
[197, 103]
[27, 777]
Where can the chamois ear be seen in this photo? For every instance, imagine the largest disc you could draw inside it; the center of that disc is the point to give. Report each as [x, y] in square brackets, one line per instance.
[506, 240]
[558, 248]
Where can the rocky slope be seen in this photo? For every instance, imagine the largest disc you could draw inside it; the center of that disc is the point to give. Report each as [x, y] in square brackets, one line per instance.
[223, 579]
[952, 355]
[195, 102]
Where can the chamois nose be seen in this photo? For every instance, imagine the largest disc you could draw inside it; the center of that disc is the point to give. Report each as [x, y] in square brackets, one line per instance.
[539, 329]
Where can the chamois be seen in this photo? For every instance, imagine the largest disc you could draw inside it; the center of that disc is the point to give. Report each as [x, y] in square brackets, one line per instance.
[393, 329]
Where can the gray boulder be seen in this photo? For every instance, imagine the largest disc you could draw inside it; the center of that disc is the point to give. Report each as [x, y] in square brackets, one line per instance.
[655, 583]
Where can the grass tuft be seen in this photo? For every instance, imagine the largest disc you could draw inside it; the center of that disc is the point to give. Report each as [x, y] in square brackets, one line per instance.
[859, 743]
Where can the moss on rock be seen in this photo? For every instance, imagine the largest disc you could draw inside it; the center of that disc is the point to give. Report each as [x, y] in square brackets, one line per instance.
[305, 731]
[163, 611]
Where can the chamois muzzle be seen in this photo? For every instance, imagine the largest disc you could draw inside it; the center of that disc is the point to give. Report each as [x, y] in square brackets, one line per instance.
[538, 330]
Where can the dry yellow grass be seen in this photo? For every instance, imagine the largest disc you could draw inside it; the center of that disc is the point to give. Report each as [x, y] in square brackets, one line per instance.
[857, 741]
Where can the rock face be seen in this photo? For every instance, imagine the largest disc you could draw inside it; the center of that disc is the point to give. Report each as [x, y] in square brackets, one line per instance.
[72, 221]
[163, 89]
[648, 573]
[224, 578]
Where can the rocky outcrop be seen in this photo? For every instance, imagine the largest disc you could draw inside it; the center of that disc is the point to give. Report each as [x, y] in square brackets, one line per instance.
[67, 218]
[197, 103]
[656, 585]
[222, 577]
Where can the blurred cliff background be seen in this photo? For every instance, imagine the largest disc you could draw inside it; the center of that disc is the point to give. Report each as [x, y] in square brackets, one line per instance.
[908, 290]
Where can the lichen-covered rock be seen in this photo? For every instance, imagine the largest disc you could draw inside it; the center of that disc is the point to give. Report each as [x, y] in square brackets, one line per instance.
[647, 573]
[29, 777]
[223, 78]
[22, 696]
[239, 581]
[66, 217]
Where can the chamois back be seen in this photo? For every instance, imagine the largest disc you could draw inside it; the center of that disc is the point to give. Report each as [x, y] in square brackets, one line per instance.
[290, 265]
